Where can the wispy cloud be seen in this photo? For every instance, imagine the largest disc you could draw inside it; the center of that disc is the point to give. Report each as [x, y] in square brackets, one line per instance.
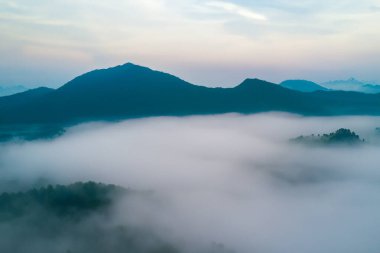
[237, 10]
[33, 20]
[288, 38]
[375, 8]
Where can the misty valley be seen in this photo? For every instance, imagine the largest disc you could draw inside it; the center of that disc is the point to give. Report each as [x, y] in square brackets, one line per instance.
[268, 182]
[189, 126]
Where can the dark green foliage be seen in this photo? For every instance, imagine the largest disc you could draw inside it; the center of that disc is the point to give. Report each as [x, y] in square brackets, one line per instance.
[76, 218]
[72, 201]
[341, 136]
[30, 132]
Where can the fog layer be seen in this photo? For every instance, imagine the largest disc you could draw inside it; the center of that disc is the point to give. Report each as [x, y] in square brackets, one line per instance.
[233, 180]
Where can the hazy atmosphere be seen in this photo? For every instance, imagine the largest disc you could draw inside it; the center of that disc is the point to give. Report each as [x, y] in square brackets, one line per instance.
[230, 179]
[189, 126]
[210, 42]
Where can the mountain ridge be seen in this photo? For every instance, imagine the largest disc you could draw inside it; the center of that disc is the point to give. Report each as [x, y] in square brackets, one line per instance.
[352, 84]
[302, 85]
[131, 91]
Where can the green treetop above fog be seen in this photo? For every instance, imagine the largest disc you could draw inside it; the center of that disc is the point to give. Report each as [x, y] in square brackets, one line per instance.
[341, 136]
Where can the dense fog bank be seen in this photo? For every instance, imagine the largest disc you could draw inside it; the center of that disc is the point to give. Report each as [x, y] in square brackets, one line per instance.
[231, 179]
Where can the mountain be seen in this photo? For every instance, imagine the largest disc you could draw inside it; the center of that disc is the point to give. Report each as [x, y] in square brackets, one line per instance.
[130, 91]
[10, 90]
[25, 97]
[302, 85]
[352, 85]
[370, 88]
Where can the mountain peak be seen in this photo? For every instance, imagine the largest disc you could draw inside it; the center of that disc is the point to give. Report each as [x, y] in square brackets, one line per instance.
[121, 78]
[129, 66]
[352, 79]
[302, 85]
[252, 82]
[133, 91]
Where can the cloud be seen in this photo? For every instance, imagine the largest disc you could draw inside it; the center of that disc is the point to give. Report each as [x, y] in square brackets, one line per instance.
[287, 40]
[237, 10]
[229, 179]
[34, 20]
[375, 8]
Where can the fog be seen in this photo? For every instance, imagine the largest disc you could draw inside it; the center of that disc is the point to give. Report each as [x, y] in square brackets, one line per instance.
[234, 180]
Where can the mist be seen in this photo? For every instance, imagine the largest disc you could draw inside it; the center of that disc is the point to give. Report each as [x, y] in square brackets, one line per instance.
[234, 181]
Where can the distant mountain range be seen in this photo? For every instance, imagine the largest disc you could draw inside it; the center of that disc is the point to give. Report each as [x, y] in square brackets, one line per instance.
[10, 90]
[302, 85]
[352, 85]
[130, 91]
[343, 85]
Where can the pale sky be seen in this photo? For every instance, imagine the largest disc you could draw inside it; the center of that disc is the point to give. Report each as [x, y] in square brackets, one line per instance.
[210, 42]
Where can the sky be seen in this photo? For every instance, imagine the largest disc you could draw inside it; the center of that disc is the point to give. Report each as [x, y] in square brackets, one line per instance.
[206, 42]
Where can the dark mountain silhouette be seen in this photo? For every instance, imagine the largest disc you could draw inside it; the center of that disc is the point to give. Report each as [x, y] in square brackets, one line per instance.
[130, 91]
[22, 98]
[302, 85]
